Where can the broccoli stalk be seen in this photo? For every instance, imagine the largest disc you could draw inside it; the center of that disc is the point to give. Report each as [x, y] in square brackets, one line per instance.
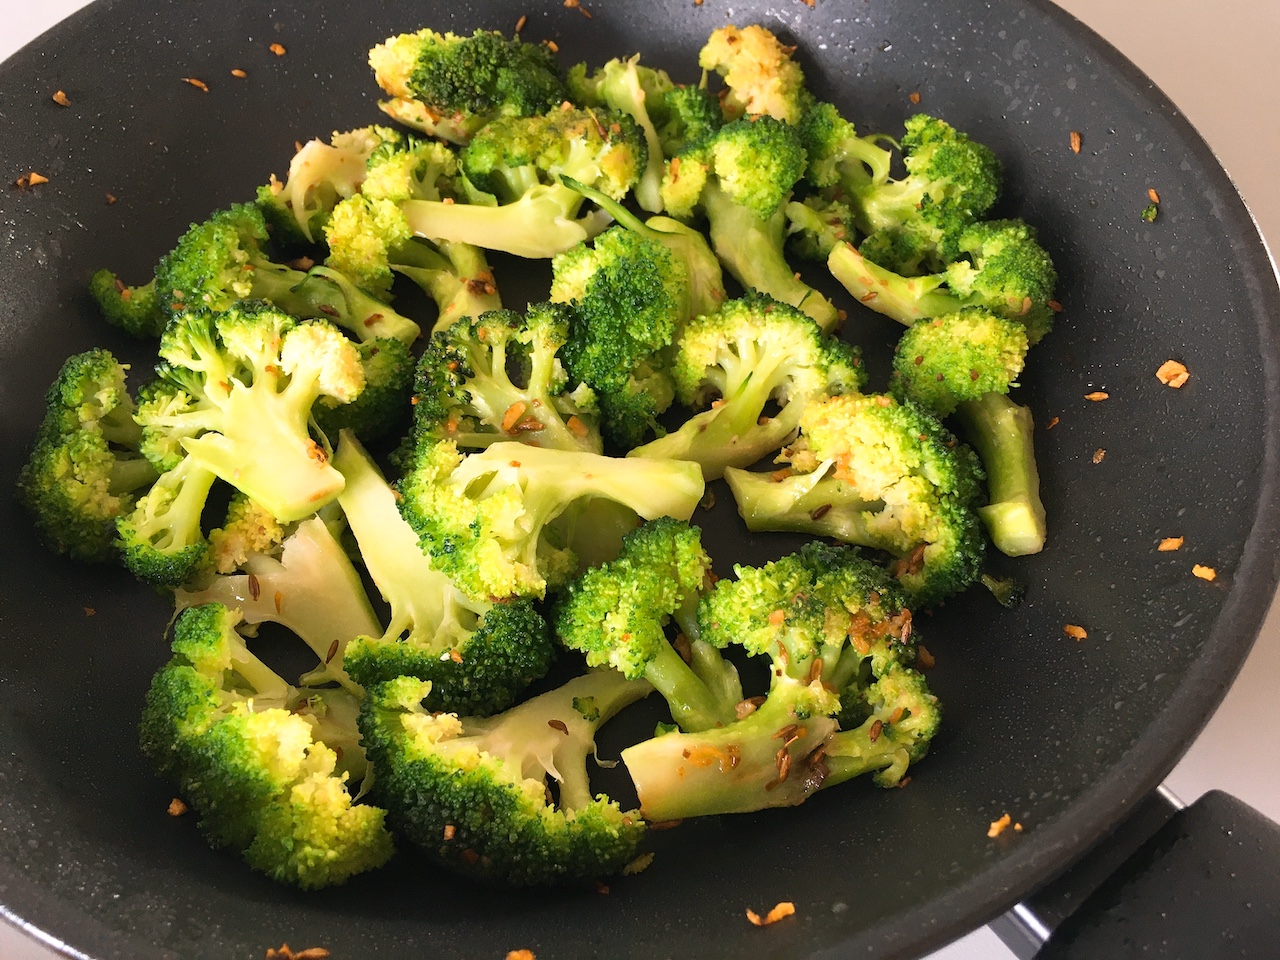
[478, 655]
[474, 794]
[1002, 432]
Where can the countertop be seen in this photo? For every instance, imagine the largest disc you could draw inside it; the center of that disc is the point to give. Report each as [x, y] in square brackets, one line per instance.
[1217, 61]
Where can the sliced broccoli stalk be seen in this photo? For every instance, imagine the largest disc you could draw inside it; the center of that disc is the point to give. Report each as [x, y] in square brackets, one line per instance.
[84, 469]
[479, 656]
[476, 795]
[1003, 432]
[751, 352]
[481, 517]
[312, 589]
[616, 614]
[251, 756]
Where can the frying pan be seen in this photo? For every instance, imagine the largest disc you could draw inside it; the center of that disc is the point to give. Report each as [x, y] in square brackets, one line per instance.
[1065, 736]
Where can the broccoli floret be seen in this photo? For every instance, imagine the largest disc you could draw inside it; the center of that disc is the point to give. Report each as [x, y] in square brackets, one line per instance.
[161, 539]
[451, 86]
[630, 296]
[950, 182]
[383, 406]
[248, 529]
[513, 169]
[478, 655]
[500, 377]
[135, 310]
[833, 626]
[475, 794]
[616, 614]
[249, 377]
[692, 114]
[251, 756]
[320, 175]
[741, 179]
[483, 518]
[311, 588]
[625, 85]
[752, 353]
[223, 260]
[817, 224]
[84, 468]
[835, 151]
[759, 75]
[872, 471]
[1004, 270]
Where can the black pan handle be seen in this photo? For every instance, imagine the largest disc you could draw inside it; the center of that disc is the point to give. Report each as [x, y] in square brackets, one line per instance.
[1201, 883]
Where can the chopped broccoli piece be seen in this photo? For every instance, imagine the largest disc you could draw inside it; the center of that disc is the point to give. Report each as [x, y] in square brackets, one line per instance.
[161, 539]
[383, 406]
[251, 756]
[759, 74]
[692, 114]
[835, 151]
[248, 529]
[476, 794]
[135, 310]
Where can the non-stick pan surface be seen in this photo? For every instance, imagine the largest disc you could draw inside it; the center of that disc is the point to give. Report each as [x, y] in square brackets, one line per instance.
[1063, 735]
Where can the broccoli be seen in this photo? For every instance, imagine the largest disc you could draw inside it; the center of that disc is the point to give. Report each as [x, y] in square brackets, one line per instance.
[875, 472]
[84, 469]
[477, 794]
[950, 181]
[500, 377]
[247, 530]
[383, 406]
[759, 75]
[161, 539]
[135, 310]
[692, 113]
[478, 655]
[625, 85]
[483, 518]
[247, 380]
[320, 175]
[835, 151]
[964, 364]
[512, 169]
[835, 631]
[816, 224]
[741, 179]
[616, 614]
[1004, 269]
[252, 756]
[311, 588]
[451, 86]
[751, 353]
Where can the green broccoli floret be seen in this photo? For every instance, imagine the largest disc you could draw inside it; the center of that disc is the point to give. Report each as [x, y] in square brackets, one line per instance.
[478, 655]
[161, 539]
[252, 757]
[627, 86]
[616, 614]
[835, 631]
[500, 377]
[512, 169]
[741, 179]
[451, 86]
[320, 175]
[476, 794]
[692, 113]
[382, 408]
[872, 471]
[311, 588]
[835, 151]
[630, 296]
[816, 224]
[485, 518]
[248, 529]
[84, 468]
[248, 378]
[950, 182]
[1003, 270]
[750, 355]
[135, 310]
[759, 74]
[964, 364]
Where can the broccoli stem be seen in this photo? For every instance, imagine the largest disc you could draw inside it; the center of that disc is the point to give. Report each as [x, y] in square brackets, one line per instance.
[1002, 433]
[458, 279]
[130, 473]
[808, 503]
[905, 299]
[692, 705]
[324, 293]
[751, 250]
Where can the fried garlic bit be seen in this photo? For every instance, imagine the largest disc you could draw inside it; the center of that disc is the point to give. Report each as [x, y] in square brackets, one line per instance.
[1173, 374]
[784, 909]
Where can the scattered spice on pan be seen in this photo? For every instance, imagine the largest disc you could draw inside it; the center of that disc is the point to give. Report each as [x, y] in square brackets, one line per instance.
[924, 659]
[1075, 632]
[602, 888]
[1152, 195]
[285, 952]
[450, 831]
[521, 22]
[89, 611]
[784, 909]
[61, 99]
[1099, 455]
[1055, 306]
[1053, 422]
[576, 5]
[520, 955]
[1172, 373]
[1076, 140]
[31, 179]
[552, 46]
[278, 49]
[638, 865]
[1170, 543]
[1204, 573]
[999, 826]
[239, 74]
[1097, 395]
[111, 198]
[176, 807]
[198, 84]
[914, 96]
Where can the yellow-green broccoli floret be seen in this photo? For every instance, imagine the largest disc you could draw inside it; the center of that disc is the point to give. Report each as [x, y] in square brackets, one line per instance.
[760, 76]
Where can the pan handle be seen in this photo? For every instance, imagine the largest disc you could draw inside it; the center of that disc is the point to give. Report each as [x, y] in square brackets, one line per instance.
[1199, 882]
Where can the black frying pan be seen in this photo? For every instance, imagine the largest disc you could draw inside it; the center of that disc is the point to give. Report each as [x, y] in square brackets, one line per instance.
[1064, 736]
